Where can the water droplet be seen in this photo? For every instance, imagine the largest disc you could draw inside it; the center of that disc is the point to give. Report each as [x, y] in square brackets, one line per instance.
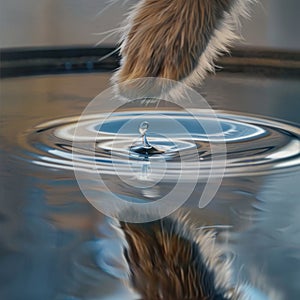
[143, 131]
[145, 147]
[144, 128]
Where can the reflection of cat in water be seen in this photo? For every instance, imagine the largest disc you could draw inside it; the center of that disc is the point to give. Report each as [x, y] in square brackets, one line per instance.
[171, 259]
[179, 40]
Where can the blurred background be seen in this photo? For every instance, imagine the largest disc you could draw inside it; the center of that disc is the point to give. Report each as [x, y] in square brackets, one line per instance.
[31, 23]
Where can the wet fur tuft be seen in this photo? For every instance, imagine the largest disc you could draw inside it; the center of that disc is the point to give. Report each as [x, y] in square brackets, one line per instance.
[177, 39]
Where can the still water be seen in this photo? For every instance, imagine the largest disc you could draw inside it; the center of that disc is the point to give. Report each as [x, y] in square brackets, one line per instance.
[55, 245]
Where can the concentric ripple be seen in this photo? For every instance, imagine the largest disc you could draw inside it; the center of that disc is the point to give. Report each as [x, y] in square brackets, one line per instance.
[253, 145]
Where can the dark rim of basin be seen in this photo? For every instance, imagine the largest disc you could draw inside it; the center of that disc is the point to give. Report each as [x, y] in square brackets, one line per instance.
[17, 62]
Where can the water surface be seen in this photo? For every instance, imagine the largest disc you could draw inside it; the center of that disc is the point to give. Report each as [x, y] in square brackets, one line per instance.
[55, 245]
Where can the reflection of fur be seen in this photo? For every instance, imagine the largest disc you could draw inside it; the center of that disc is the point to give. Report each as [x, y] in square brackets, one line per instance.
[171, 260]
[177, 39]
